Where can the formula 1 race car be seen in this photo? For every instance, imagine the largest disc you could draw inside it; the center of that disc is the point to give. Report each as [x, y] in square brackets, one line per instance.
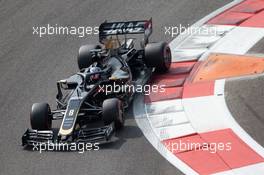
[90, 112]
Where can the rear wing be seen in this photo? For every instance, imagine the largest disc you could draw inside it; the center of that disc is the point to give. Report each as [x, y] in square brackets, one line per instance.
[128, 27]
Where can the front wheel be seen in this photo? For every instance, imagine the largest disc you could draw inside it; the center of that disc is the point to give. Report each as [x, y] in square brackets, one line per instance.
[113, 112]
[40, 116]
[158, 55]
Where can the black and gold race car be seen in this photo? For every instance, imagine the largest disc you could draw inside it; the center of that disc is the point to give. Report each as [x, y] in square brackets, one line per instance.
[102, 89]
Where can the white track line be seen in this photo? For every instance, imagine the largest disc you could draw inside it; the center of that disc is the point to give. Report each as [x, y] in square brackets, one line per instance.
[162, 107]
[257, 169]
[145, 126]
[198, 44]
[174, 43]
[237, 41]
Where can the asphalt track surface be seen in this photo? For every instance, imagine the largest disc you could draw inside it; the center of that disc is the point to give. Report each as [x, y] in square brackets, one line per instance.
[30, 66]
[245, 99]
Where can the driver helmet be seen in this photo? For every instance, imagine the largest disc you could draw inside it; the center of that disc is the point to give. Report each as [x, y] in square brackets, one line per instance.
[94, 70]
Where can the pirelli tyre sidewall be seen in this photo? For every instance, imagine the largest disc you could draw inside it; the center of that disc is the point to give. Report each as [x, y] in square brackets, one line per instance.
[84, 58]
[113, 112]
[158, 55]
[40, 116]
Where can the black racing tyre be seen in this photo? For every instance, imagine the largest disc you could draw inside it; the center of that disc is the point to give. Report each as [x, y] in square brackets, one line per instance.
[84, 58]
[158, 55]
[40, 116]
[113, 112]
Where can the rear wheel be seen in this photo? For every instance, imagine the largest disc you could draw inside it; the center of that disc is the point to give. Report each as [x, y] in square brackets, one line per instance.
[40, 116]
[85, 57]
[158, 55]
[113, 112]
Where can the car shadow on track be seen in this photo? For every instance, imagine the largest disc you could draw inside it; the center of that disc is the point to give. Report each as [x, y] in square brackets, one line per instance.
[121, 137]
[130, 131]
